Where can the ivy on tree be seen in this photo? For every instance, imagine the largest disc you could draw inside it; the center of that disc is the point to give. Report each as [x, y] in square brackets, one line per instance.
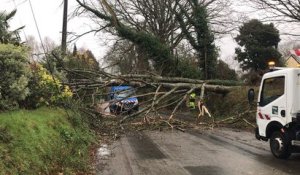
[194, 23]
[258, 45]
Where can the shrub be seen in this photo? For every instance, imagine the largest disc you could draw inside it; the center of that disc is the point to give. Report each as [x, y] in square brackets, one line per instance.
[45, 89]
[188, 69]
[15, 74]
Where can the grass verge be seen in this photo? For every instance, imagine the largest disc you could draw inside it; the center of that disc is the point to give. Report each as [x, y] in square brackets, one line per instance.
[43, 141]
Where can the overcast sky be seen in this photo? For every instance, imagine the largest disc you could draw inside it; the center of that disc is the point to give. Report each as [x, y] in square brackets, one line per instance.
[49, 18]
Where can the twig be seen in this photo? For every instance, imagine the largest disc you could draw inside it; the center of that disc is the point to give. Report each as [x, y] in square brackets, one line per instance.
[248, 123]
[183, 99]
[180, 129]
[234, 117]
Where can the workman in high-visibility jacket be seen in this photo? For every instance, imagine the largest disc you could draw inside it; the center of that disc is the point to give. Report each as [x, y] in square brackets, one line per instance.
[192, 100]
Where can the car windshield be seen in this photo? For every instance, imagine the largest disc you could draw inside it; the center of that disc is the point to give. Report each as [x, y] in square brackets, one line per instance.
[125, 93]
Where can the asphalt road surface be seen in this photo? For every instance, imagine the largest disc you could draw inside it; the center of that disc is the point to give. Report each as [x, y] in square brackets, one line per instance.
[215, 152]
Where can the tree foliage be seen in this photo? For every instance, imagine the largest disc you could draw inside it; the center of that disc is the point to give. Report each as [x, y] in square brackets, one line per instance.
[194, 23]
[258, 45]
[80, 60]
[124, 59]
[187, 69]
[15, 74]
[224, 72]
[7, 36]
[151, 46]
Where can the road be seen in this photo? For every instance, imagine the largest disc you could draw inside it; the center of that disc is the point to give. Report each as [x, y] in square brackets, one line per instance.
[195, 152]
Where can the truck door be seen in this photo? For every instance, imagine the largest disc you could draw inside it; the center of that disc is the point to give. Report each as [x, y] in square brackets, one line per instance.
[272, 102]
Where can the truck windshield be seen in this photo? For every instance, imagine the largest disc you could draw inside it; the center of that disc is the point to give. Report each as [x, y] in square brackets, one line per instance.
[273, 88]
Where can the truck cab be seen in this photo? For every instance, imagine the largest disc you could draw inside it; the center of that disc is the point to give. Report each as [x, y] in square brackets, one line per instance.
[122, 99]
[278, 111]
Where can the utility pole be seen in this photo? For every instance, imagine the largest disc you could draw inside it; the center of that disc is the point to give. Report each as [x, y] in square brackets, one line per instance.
[64, 29]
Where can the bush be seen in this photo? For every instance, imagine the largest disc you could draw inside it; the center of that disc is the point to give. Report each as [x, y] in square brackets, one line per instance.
[45, 89]
[188, 69]
[15, 74]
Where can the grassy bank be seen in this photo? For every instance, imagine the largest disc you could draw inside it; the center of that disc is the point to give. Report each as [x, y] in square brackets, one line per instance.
[43, 141]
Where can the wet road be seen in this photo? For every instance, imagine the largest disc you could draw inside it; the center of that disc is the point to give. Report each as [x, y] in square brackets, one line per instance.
[217, 152]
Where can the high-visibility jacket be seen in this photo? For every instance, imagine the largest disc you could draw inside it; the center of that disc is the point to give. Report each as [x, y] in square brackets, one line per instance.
[192, 101]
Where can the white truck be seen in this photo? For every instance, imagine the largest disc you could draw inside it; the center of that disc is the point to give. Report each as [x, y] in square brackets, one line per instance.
[278, 111]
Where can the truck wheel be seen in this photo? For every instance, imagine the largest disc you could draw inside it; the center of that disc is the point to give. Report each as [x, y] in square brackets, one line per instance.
[279, 145]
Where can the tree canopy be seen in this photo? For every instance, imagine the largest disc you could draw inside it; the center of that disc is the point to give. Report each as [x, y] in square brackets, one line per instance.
[156, 28]
[258, 45]
[194, 23]
[7, 36]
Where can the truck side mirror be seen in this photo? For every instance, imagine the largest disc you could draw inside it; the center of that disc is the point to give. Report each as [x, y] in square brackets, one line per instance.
[251, 95]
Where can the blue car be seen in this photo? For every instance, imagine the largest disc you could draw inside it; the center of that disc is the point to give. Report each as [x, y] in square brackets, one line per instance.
[122, 100]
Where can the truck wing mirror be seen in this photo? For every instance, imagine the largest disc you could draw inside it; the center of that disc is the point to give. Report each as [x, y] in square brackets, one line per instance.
[251, 95]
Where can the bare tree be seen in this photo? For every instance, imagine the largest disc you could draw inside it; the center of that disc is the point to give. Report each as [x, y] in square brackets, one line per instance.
[149, 44]
[153, 16]
[153, 26]
[125, 58]
[39, 50]
[282, 10]
[220, 16]
[285, 48]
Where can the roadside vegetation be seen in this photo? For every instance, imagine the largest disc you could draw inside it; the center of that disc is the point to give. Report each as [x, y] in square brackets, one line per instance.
[43, 141]
[40, 131]
[233, 110]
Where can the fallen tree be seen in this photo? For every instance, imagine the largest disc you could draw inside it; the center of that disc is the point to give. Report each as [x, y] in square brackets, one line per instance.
[157, 91]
